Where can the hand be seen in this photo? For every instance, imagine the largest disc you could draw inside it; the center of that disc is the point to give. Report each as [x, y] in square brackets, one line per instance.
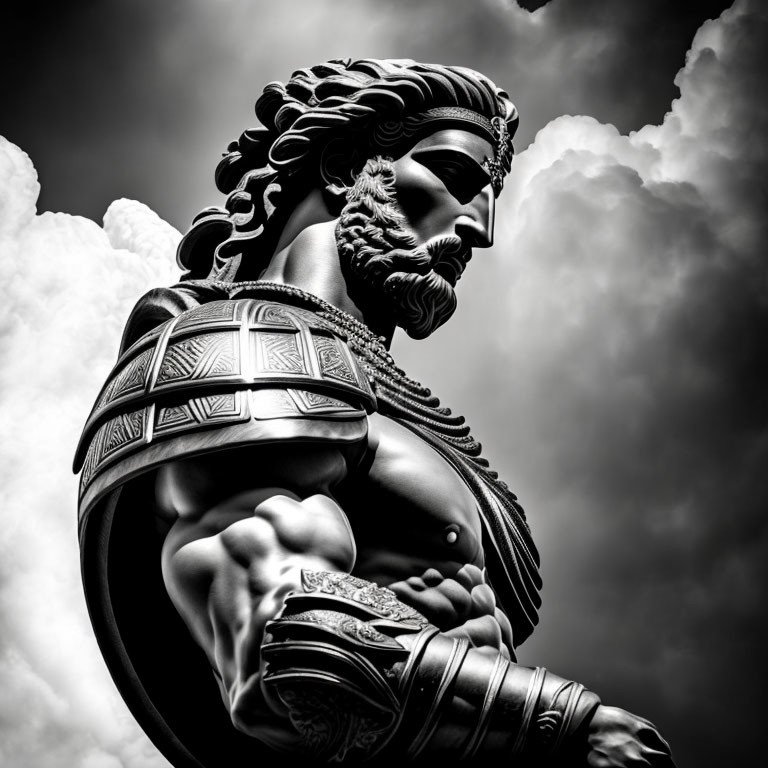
[619, 739]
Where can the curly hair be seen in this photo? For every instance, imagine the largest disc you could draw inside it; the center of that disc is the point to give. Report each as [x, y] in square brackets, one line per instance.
[320, 128]
[385, 266]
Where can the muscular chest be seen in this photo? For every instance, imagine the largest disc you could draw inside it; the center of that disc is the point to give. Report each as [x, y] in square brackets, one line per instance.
[407, 505]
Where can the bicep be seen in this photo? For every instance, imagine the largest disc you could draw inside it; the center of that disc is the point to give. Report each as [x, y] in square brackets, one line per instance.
[228, 571]
[193, 487]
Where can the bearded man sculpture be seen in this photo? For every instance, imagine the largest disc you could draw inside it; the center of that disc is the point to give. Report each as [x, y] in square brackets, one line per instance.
[288, 546]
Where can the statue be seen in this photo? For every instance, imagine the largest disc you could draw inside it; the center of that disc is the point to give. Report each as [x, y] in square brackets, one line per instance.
[289, 546]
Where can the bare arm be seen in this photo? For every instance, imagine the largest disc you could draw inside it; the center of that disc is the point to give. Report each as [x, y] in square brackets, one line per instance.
[231, 571]
[228, 572]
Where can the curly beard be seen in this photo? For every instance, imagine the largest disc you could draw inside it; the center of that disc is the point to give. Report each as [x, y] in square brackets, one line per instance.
[384, 267]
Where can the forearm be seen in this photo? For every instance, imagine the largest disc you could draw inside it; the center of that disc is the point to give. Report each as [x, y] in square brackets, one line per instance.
[311, 658]
[363, 675]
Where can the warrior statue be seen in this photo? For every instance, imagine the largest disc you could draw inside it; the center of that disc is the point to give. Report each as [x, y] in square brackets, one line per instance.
[288, 546]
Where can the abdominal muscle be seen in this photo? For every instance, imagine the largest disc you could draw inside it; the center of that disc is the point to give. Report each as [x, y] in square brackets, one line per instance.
[456, 599]
[418, 531]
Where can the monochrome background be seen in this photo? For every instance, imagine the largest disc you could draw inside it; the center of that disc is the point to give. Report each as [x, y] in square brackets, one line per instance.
[609, 351]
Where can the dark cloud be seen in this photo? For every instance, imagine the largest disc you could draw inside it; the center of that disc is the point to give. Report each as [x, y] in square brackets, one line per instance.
[626, 359]
[608, 351]
[138, 99]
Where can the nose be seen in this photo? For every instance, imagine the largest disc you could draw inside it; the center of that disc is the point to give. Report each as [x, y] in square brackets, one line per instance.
[476, 222]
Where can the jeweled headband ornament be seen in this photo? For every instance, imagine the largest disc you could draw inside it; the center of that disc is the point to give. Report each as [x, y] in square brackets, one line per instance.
[499, 166]
[494, 129]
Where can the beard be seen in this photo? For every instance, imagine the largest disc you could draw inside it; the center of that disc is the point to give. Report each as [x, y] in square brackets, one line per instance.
[388, 274]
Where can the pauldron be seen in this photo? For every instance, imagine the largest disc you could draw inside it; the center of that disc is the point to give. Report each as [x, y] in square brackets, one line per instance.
[227, 373]
[365, 676]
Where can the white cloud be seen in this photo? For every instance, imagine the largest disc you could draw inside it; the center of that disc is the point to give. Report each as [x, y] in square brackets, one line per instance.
[617, 329]
[66, 292]
[614, 329]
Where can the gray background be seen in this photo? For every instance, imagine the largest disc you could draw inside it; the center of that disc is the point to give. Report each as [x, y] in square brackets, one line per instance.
[609, 350]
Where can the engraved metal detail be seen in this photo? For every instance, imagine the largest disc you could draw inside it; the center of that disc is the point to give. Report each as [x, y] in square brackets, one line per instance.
[408, 402]
[218, 407]
[499, 166]
[208, 314]
[332, 361]
[548, 724]
[212, 409]
[334, 723]
[345, 625]
[201, 365]
[275, 314]
[132, 378]
[204, 356]
[313, 402]
[172, 417]
[280, 353]
[121, 431]
[382, 601]
[89, 465]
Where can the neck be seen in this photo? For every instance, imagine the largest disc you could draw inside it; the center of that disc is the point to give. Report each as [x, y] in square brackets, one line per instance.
[307, 258]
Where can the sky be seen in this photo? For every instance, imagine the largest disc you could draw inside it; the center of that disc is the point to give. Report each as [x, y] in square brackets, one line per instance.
[607, 351]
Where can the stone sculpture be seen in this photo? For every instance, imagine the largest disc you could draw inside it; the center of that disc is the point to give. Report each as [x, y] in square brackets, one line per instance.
[289, 546]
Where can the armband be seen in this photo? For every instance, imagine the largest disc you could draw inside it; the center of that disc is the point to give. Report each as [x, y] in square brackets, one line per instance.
[365, 675]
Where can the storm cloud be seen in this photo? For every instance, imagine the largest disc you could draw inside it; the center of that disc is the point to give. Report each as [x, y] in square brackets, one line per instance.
[618, 333]
[608, 350]
[139, 99]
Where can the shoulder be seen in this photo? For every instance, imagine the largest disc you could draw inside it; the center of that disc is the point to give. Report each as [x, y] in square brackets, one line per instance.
[162, 304]
[221, 374]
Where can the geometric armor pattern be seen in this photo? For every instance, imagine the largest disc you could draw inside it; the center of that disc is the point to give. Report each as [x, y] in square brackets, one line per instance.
[244, 362]
[259, 363]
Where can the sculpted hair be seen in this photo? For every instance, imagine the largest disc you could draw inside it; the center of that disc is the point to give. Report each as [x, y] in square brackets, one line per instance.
[384, 266]
[319, 128]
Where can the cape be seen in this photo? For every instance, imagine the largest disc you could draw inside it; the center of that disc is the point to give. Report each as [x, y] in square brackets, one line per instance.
[210, 365]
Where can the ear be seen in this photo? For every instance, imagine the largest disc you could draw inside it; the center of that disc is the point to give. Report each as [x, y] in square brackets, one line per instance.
[336, 164]
[334, 196]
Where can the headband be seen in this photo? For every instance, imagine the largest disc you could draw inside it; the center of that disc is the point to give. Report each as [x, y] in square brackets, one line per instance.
[495, 130]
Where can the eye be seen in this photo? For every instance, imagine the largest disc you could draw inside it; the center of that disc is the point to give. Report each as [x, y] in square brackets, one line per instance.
[462, 176]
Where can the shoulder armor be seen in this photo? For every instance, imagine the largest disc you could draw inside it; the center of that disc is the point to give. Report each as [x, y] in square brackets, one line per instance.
[254, 370]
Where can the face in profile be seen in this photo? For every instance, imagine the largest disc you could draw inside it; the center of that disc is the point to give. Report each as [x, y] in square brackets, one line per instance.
[408, 227]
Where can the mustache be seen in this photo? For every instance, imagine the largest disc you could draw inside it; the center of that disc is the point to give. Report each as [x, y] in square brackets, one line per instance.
[447, 256]
[418, 281]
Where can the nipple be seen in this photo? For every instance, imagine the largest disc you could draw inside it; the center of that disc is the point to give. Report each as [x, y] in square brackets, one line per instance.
[451, 534]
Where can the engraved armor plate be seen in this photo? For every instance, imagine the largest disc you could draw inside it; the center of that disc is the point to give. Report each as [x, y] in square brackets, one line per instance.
[223, 363]
[203, 356]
